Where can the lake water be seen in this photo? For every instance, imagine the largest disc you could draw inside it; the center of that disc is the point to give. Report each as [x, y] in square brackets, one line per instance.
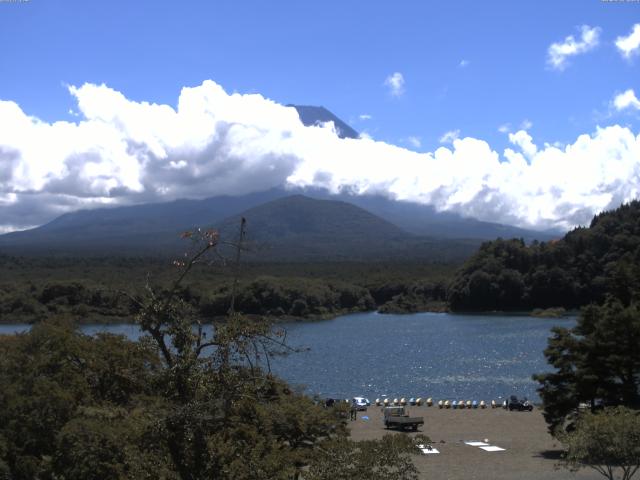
[437, 355]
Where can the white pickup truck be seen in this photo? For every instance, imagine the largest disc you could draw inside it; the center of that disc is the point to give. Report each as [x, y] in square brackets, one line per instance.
[398, 417]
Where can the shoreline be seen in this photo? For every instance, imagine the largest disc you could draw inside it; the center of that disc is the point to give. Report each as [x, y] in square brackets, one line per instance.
[118, 320]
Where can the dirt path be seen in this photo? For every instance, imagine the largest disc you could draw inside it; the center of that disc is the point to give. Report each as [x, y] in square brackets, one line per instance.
[531, 453]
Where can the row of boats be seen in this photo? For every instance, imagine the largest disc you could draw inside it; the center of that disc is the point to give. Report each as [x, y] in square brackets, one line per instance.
[454, 404]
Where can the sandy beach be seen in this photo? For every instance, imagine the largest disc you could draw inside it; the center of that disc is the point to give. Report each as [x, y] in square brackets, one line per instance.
[530, 452]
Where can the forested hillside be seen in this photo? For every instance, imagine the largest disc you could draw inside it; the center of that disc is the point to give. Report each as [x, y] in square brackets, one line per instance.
[584, 267]
[90, 290]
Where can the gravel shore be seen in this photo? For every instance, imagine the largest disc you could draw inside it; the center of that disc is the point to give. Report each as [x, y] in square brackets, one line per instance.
[530, 452]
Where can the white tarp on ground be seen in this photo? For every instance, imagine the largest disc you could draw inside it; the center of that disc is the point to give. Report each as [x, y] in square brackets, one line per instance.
[427, 450]
[476, 444]
[492, 448]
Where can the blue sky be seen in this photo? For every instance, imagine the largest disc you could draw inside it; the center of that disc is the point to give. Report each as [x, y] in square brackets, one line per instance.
[331, 53]
[466, 66]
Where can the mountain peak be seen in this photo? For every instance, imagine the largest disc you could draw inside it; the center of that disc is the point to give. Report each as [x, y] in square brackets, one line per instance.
[298, 214]
[313, 115]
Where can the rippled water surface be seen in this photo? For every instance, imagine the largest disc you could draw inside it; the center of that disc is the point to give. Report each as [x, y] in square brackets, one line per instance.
[421, 355]
[426, 354]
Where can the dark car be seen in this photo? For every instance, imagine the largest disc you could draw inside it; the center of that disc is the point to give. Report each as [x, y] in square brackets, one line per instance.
[514, 403]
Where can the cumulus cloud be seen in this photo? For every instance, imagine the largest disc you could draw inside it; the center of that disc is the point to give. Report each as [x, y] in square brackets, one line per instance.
[395, 82]
[559, 52]
[526, 124]
[630, 44]
[120, 151]
[123, 151]
[414, 141]
[626, 100]
[450, 136]
[523, 140]
[504, 128]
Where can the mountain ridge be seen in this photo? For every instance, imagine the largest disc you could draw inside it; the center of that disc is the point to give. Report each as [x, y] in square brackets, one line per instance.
[290, 228]
[155, 227]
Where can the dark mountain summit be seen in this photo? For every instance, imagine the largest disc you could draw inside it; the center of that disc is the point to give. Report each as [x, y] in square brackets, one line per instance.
[310, 115]
[300, 215]
[300, 228]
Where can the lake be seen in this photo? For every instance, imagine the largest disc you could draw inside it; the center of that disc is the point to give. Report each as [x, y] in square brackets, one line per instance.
[439, 355]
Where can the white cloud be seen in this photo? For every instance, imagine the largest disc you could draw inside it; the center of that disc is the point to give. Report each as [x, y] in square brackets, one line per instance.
[523, 140]
[415, 142]
[626, 100]
[463, 63]
[558, 53]
[450, 136]
[630, 44]
[121, 152]
[526, 124]
[395, 82]
[505, 128]
[12, 228]
[365, 116]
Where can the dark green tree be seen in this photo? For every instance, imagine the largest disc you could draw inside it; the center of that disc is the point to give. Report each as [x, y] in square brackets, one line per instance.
[597, 363]
[608, 442]
[583, 267]
[387, 458]
[52, 378]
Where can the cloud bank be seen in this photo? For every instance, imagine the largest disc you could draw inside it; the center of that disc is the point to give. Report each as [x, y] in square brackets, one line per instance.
[629, 45]
[560, 52]
[120, 152]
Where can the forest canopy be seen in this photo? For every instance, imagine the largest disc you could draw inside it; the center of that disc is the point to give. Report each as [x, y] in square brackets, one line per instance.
[89, 290]
[585, 266]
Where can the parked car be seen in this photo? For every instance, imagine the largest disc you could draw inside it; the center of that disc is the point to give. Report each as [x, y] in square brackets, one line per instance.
[515, 403]
[361, 403]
